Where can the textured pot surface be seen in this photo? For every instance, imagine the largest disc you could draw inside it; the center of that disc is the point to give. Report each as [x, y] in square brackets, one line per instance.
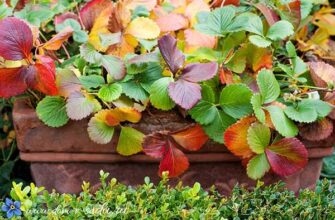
[64, 157]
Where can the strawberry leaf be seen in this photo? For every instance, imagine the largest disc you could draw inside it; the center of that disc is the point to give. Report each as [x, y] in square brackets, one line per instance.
[16, 39]
[257, 102]
[67, 82]
[185, 94]
[114, 66]
[51, 110]
[317, 131]
[303, 112]
[217, 128]
[98, 130]
[11, 81]
[197, 72]
[287, 156]
[247, 22]
[258, 137]
[173, 57]
[80, 106]
[235, 137]
[236, 107]
[130, 141]
[92, 81]
[191, 139]
[280, 30]
[45, 76]
[258, 166]
[172, 22]
[268, 86]
[282, 123]
[259, 41]
[204, 112]
[159, 145]
[110, 92]
[159, 96]
[91, 11]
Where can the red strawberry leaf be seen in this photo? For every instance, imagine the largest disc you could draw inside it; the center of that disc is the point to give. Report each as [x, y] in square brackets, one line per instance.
[292, 12]
[191, 138]
[287, 156]
[173, 57]
[92, 10]
[197, 72]
[269, 14]
[11, 81]
[184, 93]
[16, 39]
[45, 78]
[160, 145]
[317, 131]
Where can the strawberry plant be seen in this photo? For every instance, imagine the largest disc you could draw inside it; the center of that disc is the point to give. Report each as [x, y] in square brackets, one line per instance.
[254, 76]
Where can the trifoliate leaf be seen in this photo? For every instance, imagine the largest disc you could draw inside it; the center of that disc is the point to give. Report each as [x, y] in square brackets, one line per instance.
[80, 106]
[282, 123]
[216, 129]
[159, 96]
[258, 137]
[258, 166]
[51, 110]
[259, 41]
[268, 86]
[204, 112]
[215, 23]
[110, 92]
[130, 141]
[98, 130]
[257, 102]
[280, 30]
[92, 81]
[143, 28]
[235, 100]
[247, 22]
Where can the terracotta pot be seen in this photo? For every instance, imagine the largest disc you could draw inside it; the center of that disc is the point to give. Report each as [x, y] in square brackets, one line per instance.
[62, 158]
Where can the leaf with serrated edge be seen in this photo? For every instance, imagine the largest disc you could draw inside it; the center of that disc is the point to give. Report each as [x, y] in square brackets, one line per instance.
[280, 30]
[282, 123]
[317, 131]
[259, 41]
[258, 166]
[204, 112]
[143, 28]
[233, 106]
[257, 102]
[159, 96]
[98, 130]
[51, 110]
[185, 94]
[191, 138]
[110, 92]
[258, 137]
[235, 137]
[287, 156]
[303, 112]
[80, 106]
[130, 141]
[268, 85]
[216, 129]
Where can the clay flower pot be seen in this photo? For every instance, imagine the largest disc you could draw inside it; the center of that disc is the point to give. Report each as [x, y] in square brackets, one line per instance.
[62, 158]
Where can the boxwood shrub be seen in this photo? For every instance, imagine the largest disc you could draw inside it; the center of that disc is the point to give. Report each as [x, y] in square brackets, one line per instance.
[113, 200]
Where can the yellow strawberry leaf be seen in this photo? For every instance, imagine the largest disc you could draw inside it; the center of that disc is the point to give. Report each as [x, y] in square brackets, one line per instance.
[143, 28]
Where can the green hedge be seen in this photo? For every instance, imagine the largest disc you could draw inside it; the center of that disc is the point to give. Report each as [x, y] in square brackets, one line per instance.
[117, 201]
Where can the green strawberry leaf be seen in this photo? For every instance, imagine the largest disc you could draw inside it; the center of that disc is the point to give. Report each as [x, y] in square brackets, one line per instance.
[109, 93]
[258, 137]
[268, 86]
[80, 106]
[159, 96]
[130, 141]
[134, 90]
[247, 22]
[216, 129]
[257, 102]
[98, 130]
[204, 112]
[282, 123]
[51, 110]
[235, 100]
[92, 81]
[280, 30]
[258, 166]
[259, 41]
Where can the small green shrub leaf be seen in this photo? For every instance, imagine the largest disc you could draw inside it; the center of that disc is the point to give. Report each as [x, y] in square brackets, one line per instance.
[51, 110]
